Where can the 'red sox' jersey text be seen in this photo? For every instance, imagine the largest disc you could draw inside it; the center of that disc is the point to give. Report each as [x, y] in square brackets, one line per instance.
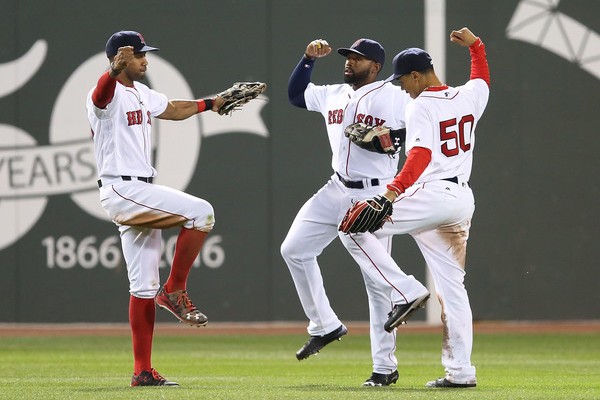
[123, 130]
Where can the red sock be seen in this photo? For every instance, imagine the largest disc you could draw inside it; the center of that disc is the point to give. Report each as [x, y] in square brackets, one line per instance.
[142, 313]
[189, 243]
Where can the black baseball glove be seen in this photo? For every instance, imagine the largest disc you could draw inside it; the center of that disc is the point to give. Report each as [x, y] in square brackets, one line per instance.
[239, 94]
[367, 215]
[379, 139]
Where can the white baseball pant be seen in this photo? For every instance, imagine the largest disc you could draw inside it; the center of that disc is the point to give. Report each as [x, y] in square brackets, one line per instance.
[438, 216]
[141, 210]
[313, 229]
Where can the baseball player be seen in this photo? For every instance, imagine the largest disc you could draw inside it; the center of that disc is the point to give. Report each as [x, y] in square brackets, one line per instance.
[357, 174]
[119, 111]
[432, 199]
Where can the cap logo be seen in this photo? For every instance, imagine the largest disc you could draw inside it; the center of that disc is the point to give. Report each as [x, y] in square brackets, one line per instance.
[357, 43]
[142, 39]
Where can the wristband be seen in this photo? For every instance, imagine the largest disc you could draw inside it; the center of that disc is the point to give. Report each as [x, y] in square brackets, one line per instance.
[204, 104]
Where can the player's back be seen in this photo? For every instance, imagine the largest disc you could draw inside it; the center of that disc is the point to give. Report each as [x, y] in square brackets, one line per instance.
[452, 115]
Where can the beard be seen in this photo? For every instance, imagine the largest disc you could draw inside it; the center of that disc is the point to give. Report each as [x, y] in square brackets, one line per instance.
[357, 78]
[135, 74]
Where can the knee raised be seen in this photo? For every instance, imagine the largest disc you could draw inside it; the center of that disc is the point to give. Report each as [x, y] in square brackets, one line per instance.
[204, 217]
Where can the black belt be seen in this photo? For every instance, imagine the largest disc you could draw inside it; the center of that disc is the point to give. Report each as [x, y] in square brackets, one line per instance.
[356, 184]
[128, 178]
[454, 179]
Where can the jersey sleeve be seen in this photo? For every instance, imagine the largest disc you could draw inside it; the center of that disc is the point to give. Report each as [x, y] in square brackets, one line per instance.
[93, 109]
[157, 103]
[480, 93]
[419, 131]
[315, 97]
[104, 91]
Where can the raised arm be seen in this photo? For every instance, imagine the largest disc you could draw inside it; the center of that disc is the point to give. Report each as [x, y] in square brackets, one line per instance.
[104, 91]
[479, 65]
[300, 77]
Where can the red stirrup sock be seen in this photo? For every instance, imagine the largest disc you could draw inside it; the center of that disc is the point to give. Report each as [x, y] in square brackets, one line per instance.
[189, 243]
[142, 314]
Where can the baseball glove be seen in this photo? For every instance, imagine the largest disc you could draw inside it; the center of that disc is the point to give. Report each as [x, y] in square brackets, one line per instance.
[379, 139]
[239, 94]
[367, 215]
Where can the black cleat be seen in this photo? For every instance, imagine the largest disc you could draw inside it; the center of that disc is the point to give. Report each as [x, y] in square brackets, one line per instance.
[316, 343]
[382, 379]
[402, 312]
[150, 378]
[445, 383]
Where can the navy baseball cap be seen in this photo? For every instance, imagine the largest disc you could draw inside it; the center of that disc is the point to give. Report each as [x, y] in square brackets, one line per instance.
[127, 38]
[367, 48]
[408, 60]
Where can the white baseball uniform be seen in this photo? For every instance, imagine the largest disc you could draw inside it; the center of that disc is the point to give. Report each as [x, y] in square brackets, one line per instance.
[123, 147]
[436, 211]
[316, 224]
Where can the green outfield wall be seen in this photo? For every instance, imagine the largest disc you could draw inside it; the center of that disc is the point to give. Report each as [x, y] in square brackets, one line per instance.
[533, 251]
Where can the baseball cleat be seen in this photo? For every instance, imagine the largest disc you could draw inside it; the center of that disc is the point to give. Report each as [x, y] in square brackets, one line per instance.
[316, 343]
[382, 379]
[445, 383]
[150, 378]
[402, 312]
[180, 305]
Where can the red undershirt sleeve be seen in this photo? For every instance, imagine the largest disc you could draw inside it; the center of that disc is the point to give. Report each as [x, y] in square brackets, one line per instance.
[104, 91]
[417, 160]
[479, 64]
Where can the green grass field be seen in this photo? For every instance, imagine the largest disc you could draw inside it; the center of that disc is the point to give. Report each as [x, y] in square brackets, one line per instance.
[510, 366]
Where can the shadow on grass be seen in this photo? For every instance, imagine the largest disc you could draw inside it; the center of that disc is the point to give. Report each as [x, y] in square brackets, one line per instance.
[122, 389]
[335, 388]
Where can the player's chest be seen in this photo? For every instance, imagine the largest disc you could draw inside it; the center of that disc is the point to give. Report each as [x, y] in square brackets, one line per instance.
[363, 109]
[132, 110]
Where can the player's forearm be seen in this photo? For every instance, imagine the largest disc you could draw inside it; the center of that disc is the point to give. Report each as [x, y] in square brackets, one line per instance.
[178, 110]
[479, 64]
[417, 160]
[104, 91]
[181, 109]
[299, 80]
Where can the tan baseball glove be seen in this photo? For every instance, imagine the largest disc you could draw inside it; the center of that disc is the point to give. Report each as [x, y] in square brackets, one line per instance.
[239, 94]
[379, 139]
